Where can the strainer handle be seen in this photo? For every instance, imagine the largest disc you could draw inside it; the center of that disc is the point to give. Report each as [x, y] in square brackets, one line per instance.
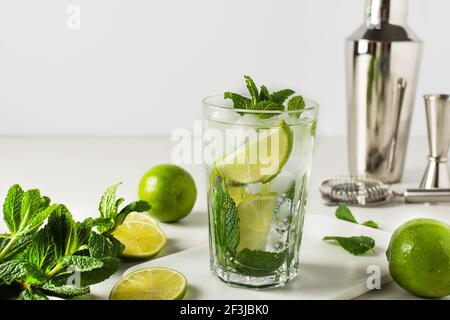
[426, 195]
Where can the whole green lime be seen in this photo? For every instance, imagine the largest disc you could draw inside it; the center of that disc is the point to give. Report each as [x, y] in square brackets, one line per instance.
[170, 190]
[419, 257]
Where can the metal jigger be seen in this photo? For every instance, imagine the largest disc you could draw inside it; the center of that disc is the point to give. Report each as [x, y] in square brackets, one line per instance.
[437, 108]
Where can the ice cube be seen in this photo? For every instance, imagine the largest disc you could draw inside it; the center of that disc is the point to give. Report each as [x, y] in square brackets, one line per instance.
[283, 181]
[249, 119]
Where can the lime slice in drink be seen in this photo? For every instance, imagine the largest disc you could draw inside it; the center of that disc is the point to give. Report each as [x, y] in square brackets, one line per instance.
[255, 215]
[142, 237]
[237, 193]
[150, 284]
[260, 158]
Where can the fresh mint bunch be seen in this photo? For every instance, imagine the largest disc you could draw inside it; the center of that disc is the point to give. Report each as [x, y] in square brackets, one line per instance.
[264, 100]
[64, 257]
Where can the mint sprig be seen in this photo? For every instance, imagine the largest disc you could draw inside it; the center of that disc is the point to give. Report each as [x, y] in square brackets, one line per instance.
[264, 100]
[110, 215]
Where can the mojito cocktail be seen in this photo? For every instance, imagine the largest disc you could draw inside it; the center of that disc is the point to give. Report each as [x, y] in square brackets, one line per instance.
[258, 156]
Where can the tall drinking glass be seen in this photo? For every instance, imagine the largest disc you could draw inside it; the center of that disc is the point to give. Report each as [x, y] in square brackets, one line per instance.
[258, 165]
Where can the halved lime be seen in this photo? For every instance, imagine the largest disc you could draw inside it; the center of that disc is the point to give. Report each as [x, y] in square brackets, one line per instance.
[255, 215]
[142, 237]
[150, 284]
[142, 217]
[259, 159]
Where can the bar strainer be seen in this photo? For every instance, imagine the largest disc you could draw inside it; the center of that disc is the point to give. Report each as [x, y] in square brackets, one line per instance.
[363, 191]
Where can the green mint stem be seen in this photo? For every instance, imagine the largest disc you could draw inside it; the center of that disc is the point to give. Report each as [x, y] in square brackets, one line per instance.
[5, 250]
[56, 269]
[14, 237]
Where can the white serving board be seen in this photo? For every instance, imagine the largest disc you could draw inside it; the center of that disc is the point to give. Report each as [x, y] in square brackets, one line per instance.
[326, 270]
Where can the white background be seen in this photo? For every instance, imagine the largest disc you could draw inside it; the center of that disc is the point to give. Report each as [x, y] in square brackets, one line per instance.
[143, 66]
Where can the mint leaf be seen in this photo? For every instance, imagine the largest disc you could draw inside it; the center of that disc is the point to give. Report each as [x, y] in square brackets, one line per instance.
[264, 94]
[268, 106]
[344, 213]
[104, 224]
[32, 203]
[24, 212]
[371, 224]
[281, 96]
[18, 246]
[226, 217]
[38, 219]
[4, 239]
[87, 278]
[61, 237]
[258, 263]
[108, 204]
[12, 208]
[355, 245]
[16, 270]
[110, 266]
[66, 234]
[82, 263]
[252, 89]
[40, 252]
[239, 102]
[64, 291]
[137, 206]
[231, 223]
[101, 246]
[296, 103]
[290, 194]
[29, 294]
[110, 217]
[20, 208]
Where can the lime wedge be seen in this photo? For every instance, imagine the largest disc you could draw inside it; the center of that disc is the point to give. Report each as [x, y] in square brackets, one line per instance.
[255, 215]
[150, 284]
[142, 237]
[260, 158]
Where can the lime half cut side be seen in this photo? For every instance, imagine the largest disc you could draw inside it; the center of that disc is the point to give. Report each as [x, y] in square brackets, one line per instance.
[142, 237]
[150, 284]
[260, 158]
[255, 215]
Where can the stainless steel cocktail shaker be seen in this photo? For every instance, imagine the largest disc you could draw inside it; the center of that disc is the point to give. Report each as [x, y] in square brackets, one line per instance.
[383, 58]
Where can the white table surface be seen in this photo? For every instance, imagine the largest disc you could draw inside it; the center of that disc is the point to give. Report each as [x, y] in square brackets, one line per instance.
[76, 170]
